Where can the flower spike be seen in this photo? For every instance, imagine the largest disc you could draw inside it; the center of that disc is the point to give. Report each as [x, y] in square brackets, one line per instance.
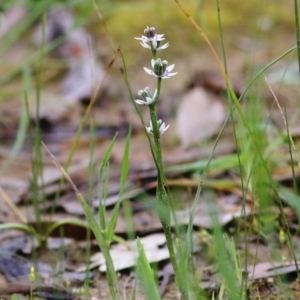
[160, 69]
[152, 38]
[161, 126]
[147, 97]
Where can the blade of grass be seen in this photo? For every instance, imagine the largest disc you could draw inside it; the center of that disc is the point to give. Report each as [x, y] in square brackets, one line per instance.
[297, 29]
[19, 226]
[145, 274]
[35, 11]
[23, 125]
[244, 285]
[224, 264]
[102, 191]
[99, 234]
[237, 106]
[222, 163]
[291, 198]
[125, 164]
[133, 292]
[291, 146]
[37, 158]
[123, 180]
[69, 221]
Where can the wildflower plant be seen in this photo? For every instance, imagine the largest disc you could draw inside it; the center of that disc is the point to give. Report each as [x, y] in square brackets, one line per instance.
[160, 70]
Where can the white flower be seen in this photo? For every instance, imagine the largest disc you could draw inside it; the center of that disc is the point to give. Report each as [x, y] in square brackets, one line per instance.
[160, 69]
[156, 45]
[152, 37]
[147, 97]
[161, 126]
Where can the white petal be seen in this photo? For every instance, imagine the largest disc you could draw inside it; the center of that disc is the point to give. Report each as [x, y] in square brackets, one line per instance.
[149, 129]
[166, 127]
[154, 95]
[153, 63]
[144, 39]
[150, 100]
[141, 102]
[163, 46]
[172, 74]
[150, 72]
[143, 43]
[168, 75]
[170, 68]
[159, 37]
[163, 128]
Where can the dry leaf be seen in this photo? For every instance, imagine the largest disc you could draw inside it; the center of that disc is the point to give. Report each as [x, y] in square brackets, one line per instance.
[200, 116]
[270, 269]
[225, 210]
[84, 72]
[11, 18]
[125, 255]
[52, 107]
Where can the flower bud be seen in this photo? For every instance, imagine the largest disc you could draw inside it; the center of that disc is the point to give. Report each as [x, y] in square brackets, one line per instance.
[160, 67]
[150, 32]
[145, 93]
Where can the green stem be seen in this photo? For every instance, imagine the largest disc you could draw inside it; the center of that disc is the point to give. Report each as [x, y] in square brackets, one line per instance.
[153, 51]
[164, 208]
[163, 201]
[297, 31]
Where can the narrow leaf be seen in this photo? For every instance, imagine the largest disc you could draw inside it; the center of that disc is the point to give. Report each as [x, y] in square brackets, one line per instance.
[123, 180]
[113, 221]
[125, 164]
[145, 274]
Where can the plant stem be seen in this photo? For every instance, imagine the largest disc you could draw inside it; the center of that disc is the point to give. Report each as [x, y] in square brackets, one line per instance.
[164, 207]
[163, 201]
[297, 31]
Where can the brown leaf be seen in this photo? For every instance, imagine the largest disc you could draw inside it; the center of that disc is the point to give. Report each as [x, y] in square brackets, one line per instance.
[270, 269]
[200, 116]
[84, 72]
[11, 18]
[125, 255]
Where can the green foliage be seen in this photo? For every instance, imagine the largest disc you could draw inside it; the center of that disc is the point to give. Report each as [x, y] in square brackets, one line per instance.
[145, 274]
[103, 188]
[123, 181]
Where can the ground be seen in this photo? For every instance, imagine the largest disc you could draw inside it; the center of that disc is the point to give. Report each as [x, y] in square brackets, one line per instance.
[255, 198]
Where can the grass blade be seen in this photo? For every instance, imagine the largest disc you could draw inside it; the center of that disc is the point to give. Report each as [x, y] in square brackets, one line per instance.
[99, 234]
[145, 274]
[123, 180]
[104, 168]
[125, 164]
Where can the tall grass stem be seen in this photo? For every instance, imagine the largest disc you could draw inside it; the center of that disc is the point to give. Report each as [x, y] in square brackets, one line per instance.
[297, 29]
